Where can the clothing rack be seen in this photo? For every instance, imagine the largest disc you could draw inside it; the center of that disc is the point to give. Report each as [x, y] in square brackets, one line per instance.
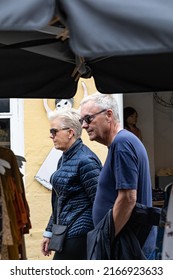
[14, 209]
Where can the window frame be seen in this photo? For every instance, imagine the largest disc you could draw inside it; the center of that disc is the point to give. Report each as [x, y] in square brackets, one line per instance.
[16, 117]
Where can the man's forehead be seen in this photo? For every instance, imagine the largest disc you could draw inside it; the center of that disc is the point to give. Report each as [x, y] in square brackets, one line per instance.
[90, 103]
[89, 107]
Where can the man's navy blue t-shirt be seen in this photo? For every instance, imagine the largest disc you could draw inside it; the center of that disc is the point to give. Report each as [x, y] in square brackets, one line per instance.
[126, 167]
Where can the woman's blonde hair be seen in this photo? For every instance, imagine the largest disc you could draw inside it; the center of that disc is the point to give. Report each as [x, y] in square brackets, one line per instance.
[69, 118]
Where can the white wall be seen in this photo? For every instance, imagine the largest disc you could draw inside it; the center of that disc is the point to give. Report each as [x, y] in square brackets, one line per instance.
[156, 124]
[163, 118]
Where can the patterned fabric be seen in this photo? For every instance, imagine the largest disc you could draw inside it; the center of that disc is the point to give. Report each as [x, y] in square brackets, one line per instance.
[7, 239]
[14, 208]
[0, 218]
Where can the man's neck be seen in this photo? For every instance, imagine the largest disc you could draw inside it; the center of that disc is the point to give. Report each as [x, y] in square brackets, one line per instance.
[113, 133]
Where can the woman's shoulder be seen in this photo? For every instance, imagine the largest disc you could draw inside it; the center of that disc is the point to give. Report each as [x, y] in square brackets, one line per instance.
[87, 155]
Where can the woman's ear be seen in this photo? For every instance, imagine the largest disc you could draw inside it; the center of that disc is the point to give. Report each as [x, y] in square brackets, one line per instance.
[71, 133]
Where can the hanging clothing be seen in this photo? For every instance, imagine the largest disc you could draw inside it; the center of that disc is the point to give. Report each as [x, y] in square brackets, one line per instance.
[15, 214]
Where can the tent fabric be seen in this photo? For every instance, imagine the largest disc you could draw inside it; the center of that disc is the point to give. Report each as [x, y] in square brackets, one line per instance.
[117, 27]
[30, 75]
[35, 65]
[133, 73]
[25, 14]
[126, 47]
[43, 69]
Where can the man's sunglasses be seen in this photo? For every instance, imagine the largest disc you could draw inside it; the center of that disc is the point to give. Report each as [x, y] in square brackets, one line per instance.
[54, 131]
[89, 118]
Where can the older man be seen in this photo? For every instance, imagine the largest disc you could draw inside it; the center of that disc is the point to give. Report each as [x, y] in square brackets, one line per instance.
[125, 177]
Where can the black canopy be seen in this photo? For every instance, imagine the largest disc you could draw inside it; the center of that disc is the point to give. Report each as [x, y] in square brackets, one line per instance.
[35, 64]
[135, 56]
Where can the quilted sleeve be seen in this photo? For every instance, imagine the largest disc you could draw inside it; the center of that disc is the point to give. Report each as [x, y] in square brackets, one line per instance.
[90, 169]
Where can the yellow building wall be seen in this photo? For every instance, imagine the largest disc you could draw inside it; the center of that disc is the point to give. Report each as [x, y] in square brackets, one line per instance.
[37, 147]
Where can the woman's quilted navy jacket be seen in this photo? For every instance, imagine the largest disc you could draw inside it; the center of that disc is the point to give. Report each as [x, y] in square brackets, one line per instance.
[75, 183]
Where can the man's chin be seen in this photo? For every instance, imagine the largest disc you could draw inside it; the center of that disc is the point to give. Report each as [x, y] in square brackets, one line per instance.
[91, 137]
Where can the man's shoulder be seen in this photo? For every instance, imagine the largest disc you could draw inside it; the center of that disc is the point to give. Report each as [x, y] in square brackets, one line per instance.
[124, 136]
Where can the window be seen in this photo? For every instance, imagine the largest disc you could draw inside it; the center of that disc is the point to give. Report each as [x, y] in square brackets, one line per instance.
[4, 105]
[5, 122]
[11, 124]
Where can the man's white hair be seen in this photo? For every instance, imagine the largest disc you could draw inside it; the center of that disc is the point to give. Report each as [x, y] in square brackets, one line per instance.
[103, 101]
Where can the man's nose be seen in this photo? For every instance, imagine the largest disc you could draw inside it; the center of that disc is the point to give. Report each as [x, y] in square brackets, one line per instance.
[84, 124]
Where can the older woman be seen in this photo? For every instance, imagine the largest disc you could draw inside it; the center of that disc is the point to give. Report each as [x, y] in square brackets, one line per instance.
[73, 186]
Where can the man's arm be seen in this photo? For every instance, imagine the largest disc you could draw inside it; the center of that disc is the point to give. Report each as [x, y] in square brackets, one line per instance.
[123, 207]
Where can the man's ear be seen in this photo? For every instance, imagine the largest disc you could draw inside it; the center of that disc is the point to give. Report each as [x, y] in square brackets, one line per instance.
[109, 114]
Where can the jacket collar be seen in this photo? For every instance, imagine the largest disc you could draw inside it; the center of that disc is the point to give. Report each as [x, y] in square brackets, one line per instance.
[73, 149]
